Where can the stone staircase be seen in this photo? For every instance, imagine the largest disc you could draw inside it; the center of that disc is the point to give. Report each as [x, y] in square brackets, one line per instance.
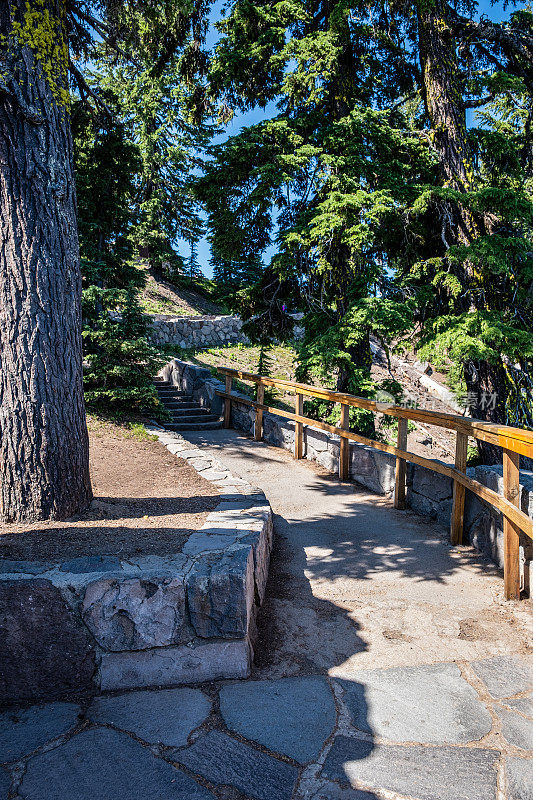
[187, 415]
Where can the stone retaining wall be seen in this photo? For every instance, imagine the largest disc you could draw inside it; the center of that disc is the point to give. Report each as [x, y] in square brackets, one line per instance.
[102, 622]
[205, 331]
[428, 493]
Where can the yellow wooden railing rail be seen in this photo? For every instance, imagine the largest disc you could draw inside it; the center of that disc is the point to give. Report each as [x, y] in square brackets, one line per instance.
[514, 442]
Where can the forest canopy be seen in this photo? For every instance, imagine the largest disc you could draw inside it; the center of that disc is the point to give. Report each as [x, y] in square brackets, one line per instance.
[395, 182]
[386, 194]
[392, 181]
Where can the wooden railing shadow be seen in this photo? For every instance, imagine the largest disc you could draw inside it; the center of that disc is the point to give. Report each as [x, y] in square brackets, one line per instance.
[515, 442]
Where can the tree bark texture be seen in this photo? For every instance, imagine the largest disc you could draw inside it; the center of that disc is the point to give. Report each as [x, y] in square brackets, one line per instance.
[44, 453]
[443, 96]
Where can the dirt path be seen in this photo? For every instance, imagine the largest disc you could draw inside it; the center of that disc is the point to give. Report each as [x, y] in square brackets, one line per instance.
[355, 584]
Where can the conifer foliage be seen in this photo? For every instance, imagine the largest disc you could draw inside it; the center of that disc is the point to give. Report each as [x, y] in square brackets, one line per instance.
[119, 362]
[392, 214]
[392, 182]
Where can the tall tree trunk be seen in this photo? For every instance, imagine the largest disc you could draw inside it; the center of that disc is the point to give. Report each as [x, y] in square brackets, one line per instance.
[44, 463]
[444, 105]
[443, 95]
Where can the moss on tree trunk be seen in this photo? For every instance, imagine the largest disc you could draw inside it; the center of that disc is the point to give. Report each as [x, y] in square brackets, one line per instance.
[44, 465]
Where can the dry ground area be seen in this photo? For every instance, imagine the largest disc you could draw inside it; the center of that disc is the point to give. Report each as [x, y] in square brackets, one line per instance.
[146, 501]
[161, 297]
[282, 359]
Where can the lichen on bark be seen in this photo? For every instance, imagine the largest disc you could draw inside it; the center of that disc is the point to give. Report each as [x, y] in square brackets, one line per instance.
[41, 27]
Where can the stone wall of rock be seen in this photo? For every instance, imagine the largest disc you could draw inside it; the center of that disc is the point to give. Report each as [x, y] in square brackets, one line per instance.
[106, 622]
[205, 331]
[428, 493]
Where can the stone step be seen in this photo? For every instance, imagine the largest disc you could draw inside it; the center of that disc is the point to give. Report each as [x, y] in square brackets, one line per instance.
[177, 405]
[177, 398]
[194, 426]
[171, 391]
[174, 397]
[195, 418]
[187, 412]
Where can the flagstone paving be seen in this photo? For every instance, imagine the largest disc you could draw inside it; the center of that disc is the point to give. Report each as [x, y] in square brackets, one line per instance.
[431, 704]
[519, 779]
[429, 733]
[24, 730]
[166, 716]
[503, 676]
[293, 716]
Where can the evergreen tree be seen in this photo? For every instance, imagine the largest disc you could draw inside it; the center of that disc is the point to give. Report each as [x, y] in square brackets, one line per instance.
[234, 275]
[328, 179]
[380, 198]
[44, 447]
[193, 267]
[162, 103]
[119, 361]
[43, 433]
[478, 313]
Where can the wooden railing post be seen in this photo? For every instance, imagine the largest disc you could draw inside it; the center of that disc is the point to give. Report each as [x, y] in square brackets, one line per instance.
[227, 402]
[344, 453]
[458, 503]
[399, 482]
[258, 431]
[511, 533]
[299, 428]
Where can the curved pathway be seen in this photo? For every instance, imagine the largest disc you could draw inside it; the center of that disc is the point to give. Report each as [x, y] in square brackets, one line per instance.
[388, 667]
[355, 584]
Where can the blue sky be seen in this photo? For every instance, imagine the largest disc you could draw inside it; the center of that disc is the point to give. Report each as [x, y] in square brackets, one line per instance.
[494, 11]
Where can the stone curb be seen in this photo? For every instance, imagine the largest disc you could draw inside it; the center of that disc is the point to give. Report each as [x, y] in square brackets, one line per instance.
[110, 623]
[225, 574]
[253, 520]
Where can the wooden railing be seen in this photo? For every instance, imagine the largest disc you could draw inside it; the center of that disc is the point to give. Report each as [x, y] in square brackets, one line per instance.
[513, 441]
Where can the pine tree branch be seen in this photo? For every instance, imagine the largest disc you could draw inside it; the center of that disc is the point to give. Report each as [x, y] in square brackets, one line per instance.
[85, 90]
[404, 99]
[99, 26]
[511, 41]
[481, 101]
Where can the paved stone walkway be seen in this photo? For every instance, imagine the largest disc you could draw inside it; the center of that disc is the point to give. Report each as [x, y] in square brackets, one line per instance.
[355, 584]
[380, 676]
[433, 732]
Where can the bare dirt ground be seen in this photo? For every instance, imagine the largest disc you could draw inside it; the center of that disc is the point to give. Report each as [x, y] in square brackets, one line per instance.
[147, 501]
[161, 297]
[423, 440]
